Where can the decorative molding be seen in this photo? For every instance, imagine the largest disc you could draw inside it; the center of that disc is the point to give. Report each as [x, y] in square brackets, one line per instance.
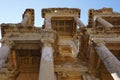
[61, 12]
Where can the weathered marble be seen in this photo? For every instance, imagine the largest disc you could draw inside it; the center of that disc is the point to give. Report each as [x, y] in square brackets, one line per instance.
[79, 22]
[4, 51]
[110, 61]
[26, 19]
[46, 71]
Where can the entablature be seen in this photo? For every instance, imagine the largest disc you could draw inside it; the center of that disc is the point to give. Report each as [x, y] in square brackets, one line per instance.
[60, 12]
[112, 43]
[27, 33]
[25, 37]
[100, 30]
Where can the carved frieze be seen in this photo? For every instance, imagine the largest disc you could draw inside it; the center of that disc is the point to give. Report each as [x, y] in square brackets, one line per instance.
[15, 33]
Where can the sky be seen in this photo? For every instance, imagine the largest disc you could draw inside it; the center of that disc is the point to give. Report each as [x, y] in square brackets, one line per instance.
[11, 10]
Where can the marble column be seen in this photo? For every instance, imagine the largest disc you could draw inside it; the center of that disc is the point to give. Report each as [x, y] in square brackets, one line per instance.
[110, 61]
[48, 23]
[46, 66]
[104, 22]
[26, 19]
[4, 51]
[87, 76]
[79, 22]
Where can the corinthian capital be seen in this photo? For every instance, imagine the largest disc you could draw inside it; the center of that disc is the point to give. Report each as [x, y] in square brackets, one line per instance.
[7, 42]
[98, 42]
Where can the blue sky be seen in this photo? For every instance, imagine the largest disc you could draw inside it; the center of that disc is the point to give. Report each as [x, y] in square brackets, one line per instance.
[11, 10]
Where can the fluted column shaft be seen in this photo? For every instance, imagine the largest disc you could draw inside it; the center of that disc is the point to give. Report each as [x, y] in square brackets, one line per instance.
[46, 66]
[79, 22]
[104, 22]
[48, 23]
[110, 61]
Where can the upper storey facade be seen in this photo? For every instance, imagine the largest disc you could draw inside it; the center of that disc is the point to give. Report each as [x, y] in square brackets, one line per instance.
[113, 18]
[62, 19]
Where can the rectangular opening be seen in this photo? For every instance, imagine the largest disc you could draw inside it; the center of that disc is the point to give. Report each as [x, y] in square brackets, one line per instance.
[28, 60]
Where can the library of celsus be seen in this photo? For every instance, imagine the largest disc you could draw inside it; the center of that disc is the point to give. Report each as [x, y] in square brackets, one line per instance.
[63, 48]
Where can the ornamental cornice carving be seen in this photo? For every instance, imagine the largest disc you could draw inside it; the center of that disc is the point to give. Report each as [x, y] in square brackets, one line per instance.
[61, 11]
[44, 35]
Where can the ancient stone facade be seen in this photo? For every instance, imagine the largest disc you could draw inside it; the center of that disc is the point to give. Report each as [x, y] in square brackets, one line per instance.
[63, 48]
